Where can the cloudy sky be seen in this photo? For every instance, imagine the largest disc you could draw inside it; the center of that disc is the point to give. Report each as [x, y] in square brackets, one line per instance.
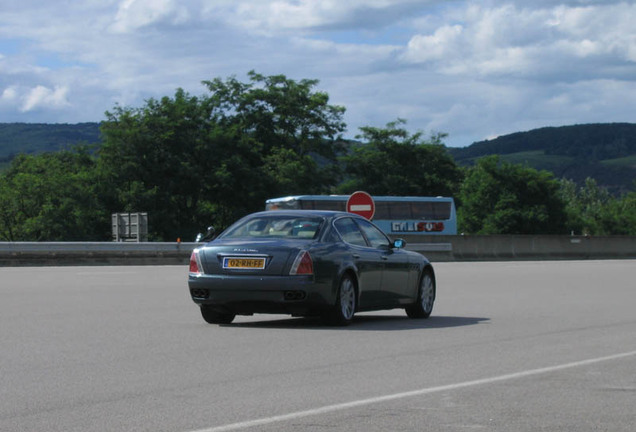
[473, 69]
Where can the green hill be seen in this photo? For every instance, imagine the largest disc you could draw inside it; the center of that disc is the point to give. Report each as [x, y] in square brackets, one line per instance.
[31, 138]
[605, 152]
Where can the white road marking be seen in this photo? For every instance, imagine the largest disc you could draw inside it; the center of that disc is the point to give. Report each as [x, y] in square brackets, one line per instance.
[420, 392]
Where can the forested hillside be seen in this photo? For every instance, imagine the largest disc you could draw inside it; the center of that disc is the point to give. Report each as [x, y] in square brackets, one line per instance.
[33, 138]
[605, 152]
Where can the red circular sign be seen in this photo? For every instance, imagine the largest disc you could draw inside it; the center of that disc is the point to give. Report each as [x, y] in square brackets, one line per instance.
[361, 203]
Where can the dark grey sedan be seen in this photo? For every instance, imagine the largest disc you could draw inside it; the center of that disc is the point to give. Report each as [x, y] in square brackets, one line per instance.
[305, 263]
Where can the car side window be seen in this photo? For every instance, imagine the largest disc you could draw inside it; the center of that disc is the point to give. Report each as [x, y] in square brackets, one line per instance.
[374, 235]
[350, 232]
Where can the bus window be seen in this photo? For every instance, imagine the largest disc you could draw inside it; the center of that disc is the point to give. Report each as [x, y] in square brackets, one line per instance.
[431, 210]
[412, 210]
[322, 205]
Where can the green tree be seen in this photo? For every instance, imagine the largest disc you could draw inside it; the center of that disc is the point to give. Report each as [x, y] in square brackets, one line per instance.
[167, 158]
[279, 112]
[298, 130]
[290, 173]
[52, 197]
[619, 217]
[503, 198]
[148, 160]
[192, 161]
[391, 161]
[592, 210]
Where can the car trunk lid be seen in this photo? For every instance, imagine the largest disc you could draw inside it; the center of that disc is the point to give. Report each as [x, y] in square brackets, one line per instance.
[272, 258]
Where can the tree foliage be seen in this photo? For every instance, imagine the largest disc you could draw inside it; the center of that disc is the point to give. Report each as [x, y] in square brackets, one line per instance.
[52, 197]
[278, 112]
[501, 198]
[593, 210]
[191, 161]
[157, 159]
[391, 161]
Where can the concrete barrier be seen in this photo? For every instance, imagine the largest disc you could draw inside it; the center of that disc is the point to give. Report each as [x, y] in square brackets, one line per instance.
[93, 253]
[524, 247]
[436, 248]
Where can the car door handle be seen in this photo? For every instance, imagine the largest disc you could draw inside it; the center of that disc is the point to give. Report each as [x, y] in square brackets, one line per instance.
[384, 257]
[356, 256]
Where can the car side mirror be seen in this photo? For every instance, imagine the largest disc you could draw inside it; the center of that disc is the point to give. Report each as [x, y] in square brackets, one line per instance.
[399, 243]
[209, 235]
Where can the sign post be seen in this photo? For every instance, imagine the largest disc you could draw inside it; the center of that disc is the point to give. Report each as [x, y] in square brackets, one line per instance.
[361, 203]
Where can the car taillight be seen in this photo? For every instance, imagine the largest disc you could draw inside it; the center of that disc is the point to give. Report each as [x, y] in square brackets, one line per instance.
[303, 264]
[195, 263]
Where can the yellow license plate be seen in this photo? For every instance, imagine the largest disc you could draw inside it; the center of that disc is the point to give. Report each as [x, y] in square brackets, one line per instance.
[244, 263]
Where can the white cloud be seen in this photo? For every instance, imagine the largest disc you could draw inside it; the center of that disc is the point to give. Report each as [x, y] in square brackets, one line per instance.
[530, 44]
[134, 14]
[273, 16]
[41, 97]
[443, 43]
[9, 95]
[469, 68]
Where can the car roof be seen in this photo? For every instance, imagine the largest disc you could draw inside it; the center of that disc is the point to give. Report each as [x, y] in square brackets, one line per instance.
[322, 213]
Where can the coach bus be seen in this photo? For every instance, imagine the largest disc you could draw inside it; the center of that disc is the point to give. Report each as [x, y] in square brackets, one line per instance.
[393, 214]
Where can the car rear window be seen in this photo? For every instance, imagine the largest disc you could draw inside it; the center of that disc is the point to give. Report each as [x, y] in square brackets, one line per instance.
[276, 227]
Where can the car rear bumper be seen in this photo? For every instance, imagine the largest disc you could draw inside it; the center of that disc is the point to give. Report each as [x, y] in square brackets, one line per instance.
[246, 295]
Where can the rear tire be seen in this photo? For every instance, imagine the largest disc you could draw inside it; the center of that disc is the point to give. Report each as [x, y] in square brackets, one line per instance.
[213, 316]
[342, 312]
[423, 307]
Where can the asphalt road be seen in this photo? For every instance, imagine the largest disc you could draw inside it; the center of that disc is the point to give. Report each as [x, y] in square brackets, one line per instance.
[516, 346]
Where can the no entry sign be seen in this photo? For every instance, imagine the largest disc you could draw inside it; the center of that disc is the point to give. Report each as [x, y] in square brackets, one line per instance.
[361, 203]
